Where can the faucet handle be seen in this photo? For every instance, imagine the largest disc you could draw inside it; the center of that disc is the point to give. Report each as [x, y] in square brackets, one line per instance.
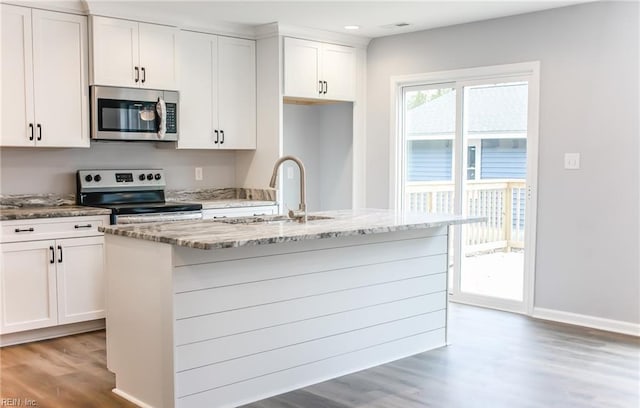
[300, 216]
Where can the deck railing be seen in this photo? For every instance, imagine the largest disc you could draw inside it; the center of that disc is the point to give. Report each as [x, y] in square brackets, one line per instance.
[501, 201]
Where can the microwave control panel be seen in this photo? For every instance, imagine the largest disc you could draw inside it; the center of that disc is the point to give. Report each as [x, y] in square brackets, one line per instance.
[172, 125]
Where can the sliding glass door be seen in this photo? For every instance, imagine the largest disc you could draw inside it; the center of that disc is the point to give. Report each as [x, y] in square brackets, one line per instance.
[466, 150]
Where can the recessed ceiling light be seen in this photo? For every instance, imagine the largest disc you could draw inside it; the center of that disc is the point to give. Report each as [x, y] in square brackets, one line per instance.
[351, 27]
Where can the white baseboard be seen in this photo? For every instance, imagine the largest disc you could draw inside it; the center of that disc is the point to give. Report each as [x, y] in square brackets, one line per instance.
[599, 323]
[52, 332]
[130, 398]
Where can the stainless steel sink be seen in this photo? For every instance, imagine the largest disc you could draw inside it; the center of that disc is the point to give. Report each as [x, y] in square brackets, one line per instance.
[274, 219]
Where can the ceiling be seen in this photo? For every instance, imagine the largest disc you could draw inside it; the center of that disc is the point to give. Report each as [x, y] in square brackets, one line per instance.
[375, 18]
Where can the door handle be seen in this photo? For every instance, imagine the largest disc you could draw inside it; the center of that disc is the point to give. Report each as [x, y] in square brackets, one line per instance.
[217, 136]
[31, 128]
[39, 131]
[137, 78]
[144, 75]
[53, 255]
[60, 256]
[222, 134]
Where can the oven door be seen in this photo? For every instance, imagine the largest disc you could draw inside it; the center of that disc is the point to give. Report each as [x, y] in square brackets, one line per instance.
[158, 217]
[133, 114]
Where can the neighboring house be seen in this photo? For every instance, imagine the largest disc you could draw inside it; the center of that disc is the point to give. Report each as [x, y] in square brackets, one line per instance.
[496, 124]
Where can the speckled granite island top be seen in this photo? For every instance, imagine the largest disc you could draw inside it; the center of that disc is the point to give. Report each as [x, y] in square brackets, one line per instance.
[212, 234]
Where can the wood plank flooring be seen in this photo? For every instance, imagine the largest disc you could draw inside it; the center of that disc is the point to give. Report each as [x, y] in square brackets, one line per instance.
[495, 360]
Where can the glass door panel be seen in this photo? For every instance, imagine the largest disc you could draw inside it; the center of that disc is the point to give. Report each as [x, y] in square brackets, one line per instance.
[494, 130]
[429, 132]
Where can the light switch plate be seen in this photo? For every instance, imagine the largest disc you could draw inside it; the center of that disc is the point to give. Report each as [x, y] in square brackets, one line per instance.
[198, 173]
[572, 161]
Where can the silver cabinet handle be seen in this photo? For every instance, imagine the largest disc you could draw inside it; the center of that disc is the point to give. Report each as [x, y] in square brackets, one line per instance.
[144, 75]
[217, 136]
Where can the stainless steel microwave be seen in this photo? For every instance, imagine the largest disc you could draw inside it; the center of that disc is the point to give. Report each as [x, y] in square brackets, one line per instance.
[131, 114]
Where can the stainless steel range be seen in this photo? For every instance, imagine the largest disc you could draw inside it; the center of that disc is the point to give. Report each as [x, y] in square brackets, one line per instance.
[133, 196]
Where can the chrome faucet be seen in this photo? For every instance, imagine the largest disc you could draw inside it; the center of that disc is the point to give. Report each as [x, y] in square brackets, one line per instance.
[301, 214]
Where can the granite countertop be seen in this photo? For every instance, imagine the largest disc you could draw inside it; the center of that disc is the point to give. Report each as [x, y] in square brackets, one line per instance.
[33, 212]
[226, 203]
[32, 206]
[212, 234]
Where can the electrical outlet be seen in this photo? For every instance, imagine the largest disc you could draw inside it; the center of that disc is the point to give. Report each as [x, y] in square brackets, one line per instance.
[290, 172]
[198, 173]
[572, 161]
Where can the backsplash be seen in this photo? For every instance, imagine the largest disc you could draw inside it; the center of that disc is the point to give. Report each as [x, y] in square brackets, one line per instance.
[47, 170]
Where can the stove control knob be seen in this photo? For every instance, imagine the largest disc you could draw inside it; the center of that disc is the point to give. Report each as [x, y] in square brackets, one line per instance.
[141, 177]
[88, 178]
[97, 177]
[158, 176]
[149, 176]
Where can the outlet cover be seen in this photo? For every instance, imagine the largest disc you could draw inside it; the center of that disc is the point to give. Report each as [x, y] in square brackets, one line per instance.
[198, 173]
[572, 161]
[290, 172]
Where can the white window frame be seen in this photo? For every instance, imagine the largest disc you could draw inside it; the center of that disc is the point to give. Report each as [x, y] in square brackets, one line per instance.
[530, 71]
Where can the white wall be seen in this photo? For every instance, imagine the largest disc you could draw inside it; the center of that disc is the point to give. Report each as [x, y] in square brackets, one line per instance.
[588, 224]
[322, 137]
[34, 170]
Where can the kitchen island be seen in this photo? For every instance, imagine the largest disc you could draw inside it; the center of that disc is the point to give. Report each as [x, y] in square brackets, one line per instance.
[223, 313]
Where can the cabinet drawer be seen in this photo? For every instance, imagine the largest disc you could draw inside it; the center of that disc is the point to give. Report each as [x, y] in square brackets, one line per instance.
[36, 229]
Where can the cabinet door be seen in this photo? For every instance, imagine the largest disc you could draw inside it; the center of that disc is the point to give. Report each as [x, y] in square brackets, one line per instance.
[80, 279]
[17, 77]
[198, 91]
[60, 61]
[237, 93]
[114, 52]
[339, 72]
[158, 59]
[27, 286]
[301, 64]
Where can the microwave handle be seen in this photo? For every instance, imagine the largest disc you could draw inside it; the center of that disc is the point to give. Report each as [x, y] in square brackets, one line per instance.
[161, 108]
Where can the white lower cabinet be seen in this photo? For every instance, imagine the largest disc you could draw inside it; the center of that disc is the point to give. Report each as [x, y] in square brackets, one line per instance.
[49, 282]
[80, 279]
[28, 283]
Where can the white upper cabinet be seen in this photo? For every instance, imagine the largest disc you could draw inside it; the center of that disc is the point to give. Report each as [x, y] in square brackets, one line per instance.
[316, 70]
[237, 93]
[217, 92]
[131, 54]
[44, 79]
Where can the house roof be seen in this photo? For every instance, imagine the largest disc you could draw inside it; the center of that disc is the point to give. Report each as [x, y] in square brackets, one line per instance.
[494, 109]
